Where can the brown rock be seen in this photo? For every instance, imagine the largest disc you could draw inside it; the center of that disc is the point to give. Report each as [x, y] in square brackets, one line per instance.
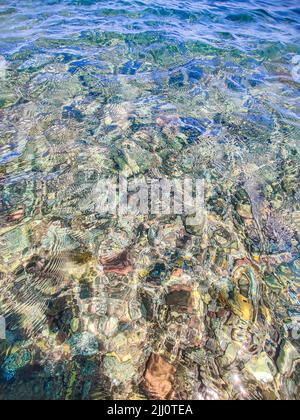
[159, 378]
[180, 298]
[17, 215]
[120, 264]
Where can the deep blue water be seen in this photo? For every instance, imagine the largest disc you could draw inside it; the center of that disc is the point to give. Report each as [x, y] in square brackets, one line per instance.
[250, 27]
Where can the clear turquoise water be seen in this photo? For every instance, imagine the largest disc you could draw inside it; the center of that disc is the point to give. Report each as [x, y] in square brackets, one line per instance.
[208, 89]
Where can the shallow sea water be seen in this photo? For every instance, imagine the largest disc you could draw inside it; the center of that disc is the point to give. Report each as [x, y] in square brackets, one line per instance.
[149, 307]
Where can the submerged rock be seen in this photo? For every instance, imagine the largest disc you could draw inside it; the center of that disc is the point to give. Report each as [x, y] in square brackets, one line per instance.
[17, 215]
[159, 378]
[245, 301]
[120, 372]
[180, 298]
[262, 368]
[84, 344]
[120, 264]
[287, 358]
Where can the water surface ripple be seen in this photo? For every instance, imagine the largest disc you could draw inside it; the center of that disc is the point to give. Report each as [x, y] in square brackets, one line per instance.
[151, 307]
